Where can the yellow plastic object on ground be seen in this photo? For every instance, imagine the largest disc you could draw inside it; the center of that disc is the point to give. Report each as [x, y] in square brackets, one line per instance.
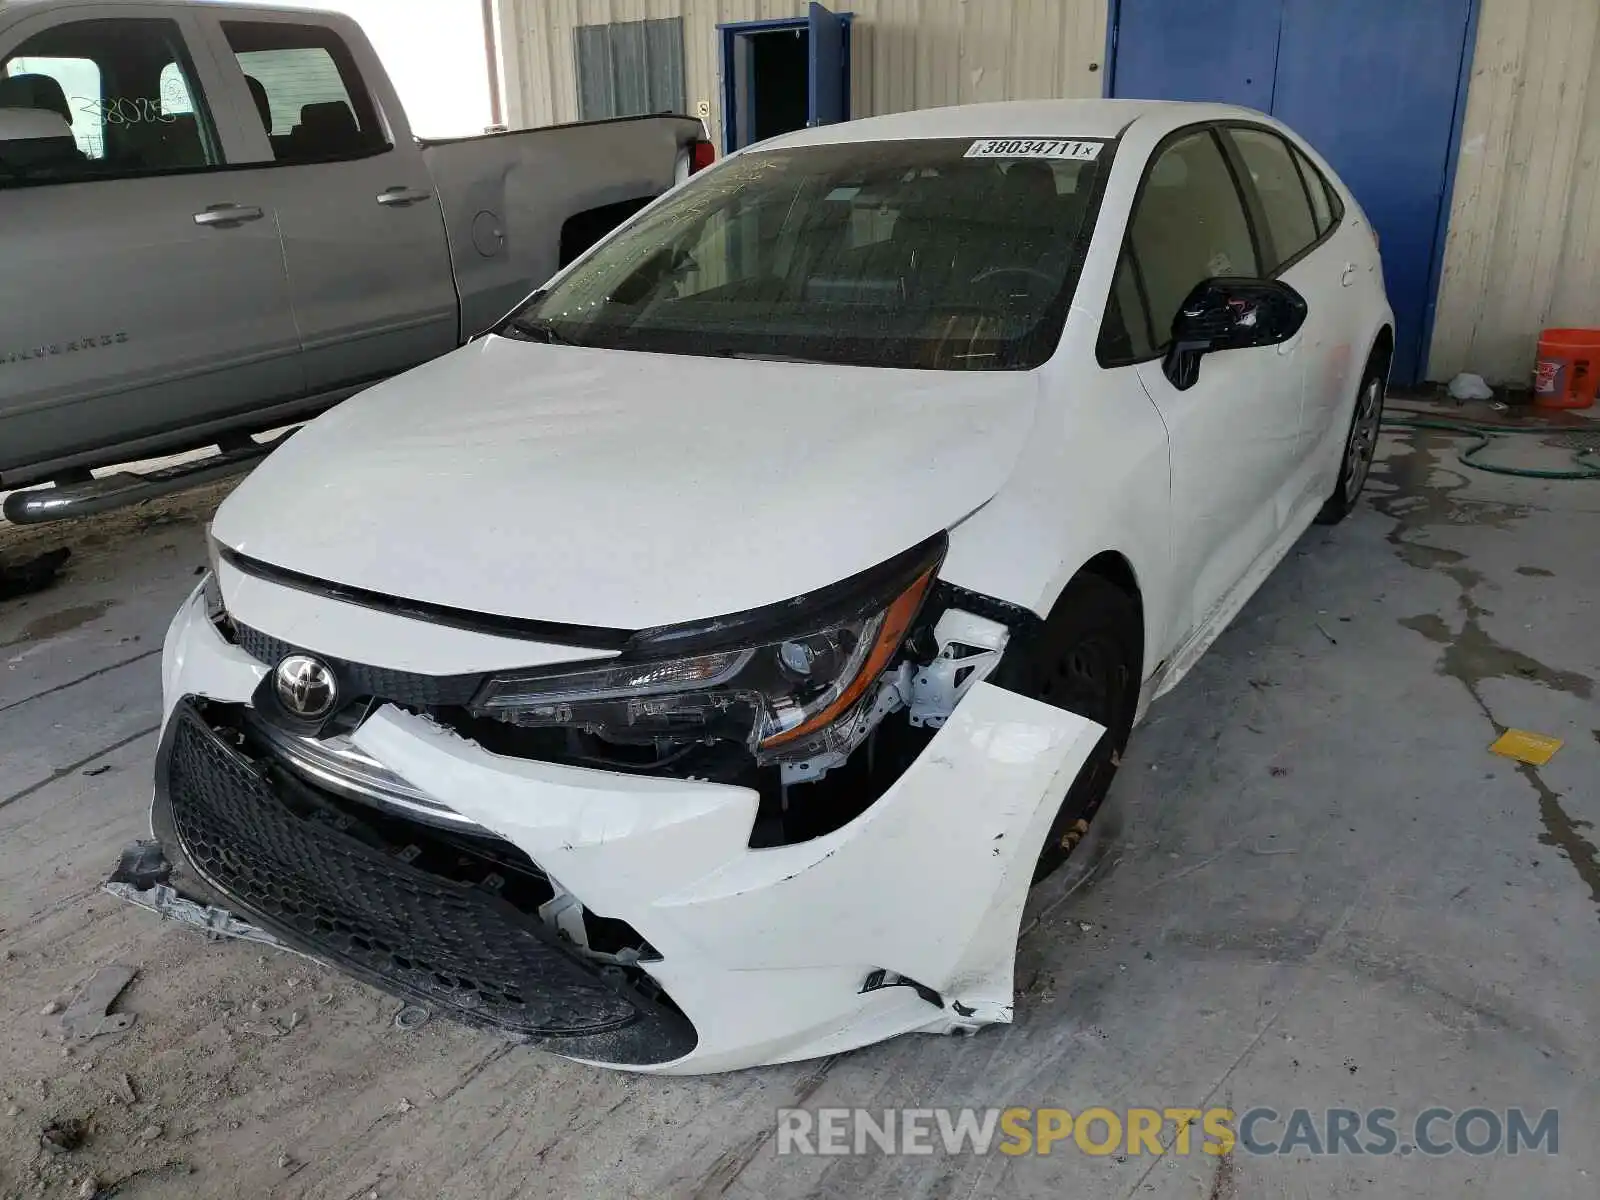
[1535, 748]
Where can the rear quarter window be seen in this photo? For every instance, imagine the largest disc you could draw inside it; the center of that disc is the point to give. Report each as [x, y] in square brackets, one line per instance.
[1325, 205]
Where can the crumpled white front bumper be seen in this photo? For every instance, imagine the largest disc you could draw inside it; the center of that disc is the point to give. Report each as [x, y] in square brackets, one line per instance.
[766, 951]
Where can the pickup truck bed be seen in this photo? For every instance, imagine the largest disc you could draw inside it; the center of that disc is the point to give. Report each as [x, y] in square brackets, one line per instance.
[615, 167]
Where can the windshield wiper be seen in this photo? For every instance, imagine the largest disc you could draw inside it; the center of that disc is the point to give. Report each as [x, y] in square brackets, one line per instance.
[753, 356]
[530, 329]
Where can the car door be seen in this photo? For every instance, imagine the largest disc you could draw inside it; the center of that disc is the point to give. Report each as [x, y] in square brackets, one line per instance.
[1299, 248]
[143, 287]
[363, 231]
[1348, 246]
[1233, 435]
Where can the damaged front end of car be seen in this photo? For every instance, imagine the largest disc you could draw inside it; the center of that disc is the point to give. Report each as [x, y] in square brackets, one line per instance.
[772, 835]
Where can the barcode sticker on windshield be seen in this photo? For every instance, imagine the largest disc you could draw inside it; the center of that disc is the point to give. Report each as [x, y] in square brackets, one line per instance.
[1033, 148]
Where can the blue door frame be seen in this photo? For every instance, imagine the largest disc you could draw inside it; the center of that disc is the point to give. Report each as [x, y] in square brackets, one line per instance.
[1236, 77]
[829, 51]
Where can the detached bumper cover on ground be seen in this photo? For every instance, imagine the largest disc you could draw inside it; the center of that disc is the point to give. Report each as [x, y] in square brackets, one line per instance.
[764, 955]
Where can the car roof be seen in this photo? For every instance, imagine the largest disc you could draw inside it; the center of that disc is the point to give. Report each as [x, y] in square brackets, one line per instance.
[1016, 118]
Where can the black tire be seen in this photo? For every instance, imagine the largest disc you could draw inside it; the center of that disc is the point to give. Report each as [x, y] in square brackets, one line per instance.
[1360, 443]
[1087, 660]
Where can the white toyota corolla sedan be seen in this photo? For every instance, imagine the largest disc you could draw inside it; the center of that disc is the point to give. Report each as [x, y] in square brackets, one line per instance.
[697, 671]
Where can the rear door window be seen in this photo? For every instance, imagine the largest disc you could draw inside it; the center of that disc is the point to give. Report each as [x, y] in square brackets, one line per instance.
[1285, 203]
[307, 90]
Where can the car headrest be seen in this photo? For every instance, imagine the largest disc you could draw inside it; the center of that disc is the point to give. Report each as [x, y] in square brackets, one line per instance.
[258, 93]
[32, 138]
[1031, 181]
[32, 125]
[329, 127]
[35, 91]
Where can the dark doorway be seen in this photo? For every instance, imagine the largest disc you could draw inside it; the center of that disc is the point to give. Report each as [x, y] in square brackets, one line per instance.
[778, 76]
[781, 62]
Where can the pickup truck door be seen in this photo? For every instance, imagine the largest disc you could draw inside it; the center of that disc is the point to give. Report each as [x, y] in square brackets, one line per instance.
[143, 287]
[363, 231]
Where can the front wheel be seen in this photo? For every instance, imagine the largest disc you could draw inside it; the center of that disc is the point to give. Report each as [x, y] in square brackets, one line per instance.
[1359, 448]
[1088, 661]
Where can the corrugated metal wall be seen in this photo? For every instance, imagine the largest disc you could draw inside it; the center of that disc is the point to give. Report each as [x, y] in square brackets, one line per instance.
[628, 67]
[1523, 249]
[904, 53]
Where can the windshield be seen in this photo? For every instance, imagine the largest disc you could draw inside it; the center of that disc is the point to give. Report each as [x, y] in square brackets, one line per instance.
[945, 254]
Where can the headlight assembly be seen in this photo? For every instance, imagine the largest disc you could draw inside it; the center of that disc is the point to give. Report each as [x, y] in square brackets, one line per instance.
[789, 680]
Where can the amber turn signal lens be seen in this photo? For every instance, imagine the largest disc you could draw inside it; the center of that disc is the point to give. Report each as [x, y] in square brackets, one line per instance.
[896, 622]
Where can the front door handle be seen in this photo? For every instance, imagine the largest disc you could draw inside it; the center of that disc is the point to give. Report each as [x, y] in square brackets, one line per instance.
[227, 216]
[400, 197]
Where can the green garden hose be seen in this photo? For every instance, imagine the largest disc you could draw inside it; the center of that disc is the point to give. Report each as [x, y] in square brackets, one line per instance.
[1585, 446]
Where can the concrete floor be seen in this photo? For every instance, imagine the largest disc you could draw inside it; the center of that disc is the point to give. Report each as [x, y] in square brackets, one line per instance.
[1324, 892]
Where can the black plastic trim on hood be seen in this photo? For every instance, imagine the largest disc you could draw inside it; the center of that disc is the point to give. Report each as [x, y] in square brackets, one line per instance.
[554, 633]
[834, 604]
[830, 605]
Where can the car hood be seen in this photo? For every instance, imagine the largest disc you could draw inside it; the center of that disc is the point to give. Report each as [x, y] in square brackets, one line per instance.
[622, 489]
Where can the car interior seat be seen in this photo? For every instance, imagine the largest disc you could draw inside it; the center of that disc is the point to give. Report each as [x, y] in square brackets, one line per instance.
[325, 130]
[45, 93]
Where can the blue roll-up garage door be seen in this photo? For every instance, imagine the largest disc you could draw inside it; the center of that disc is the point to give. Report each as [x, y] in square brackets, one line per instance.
[1374, 85]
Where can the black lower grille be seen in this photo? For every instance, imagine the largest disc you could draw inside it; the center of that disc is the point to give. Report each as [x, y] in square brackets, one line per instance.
[444, 943]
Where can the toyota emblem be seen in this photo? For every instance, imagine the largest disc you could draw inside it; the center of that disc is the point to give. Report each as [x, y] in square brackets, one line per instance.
[306, 687]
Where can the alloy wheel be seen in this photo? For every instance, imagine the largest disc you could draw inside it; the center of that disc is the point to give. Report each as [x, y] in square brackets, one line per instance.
[1363, 439]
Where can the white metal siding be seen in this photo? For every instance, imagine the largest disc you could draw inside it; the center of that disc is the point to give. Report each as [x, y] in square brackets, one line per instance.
[905, 54]
[1523, 250]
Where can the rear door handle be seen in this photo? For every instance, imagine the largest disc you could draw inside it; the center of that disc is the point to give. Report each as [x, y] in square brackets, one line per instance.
[226, 216]
[1349, 275]
[400, 197]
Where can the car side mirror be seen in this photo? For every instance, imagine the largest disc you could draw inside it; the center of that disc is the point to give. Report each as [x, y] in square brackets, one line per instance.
[1230, 314]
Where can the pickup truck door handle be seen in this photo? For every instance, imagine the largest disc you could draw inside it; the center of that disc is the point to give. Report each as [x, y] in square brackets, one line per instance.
[226, 216]
[400, 197]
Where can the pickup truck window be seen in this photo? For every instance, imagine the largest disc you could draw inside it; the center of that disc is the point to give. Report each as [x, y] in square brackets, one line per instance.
[78, 77]
[124, 85]
[175, 98]
[308, 92]
[897, 254]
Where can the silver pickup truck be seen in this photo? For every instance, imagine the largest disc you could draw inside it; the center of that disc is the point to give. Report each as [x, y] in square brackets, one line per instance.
[214, 220]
